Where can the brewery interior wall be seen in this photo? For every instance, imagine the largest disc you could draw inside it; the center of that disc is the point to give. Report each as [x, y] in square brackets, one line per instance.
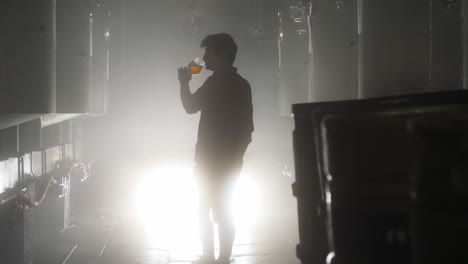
[402, 47]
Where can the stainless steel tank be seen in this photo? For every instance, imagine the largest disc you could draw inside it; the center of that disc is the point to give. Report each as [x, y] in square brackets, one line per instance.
[27, 56]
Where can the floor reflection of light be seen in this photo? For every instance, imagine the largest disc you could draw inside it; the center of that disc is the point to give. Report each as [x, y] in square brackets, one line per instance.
[246, 203]
[166, 202]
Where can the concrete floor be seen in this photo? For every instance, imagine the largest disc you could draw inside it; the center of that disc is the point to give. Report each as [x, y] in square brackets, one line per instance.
[106, 240]
[111, 229]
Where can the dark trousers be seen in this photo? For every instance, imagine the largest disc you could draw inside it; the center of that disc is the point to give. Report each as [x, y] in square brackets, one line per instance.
[216, 183]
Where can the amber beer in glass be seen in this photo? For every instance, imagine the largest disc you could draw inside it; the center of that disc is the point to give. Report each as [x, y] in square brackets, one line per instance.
[196, 66]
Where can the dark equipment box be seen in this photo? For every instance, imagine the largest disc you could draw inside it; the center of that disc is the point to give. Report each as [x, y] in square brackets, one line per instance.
[382, 180]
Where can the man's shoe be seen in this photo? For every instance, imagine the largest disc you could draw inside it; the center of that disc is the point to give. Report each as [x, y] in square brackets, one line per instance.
[205, 260]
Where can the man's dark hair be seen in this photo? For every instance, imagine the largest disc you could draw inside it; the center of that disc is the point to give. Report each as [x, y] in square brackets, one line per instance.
[221, 44]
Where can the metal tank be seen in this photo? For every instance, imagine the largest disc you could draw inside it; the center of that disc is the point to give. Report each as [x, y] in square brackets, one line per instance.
[408, 47]
[54, 56]
[101, 37]
[333, 50]
[292, 33]
[74, 55]
[27, 56]
[82, 56]
[317, 43]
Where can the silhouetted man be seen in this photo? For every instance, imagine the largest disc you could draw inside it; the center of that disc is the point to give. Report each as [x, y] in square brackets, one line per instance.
[224, 132]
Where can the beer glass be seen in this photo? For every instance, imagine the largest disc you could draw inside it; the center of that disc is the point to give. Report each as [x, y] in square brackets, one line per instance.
[196, 66]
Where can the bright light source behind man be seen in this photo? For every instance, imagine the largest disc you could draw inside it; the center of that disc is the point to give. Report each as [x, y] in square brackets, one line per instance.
[167, 205]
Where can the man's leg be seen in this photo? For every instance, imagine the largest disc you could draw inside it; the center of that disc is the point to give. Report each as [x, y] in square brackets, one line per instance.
[205, 223]
[227, 233]
[206, 232]
[225, 219]
[206, 235]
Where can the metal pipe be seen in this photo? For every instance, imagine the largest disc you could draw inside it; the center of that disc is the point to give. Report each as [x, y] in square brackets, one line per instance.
[37, 200]
[311, 70]
[11, 197]
[360, 50]
[430, 45]
[464, 18]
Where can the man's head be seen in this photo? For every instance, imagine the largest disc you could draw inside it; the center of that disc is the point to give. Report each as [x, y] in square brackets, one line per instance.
[220, 51]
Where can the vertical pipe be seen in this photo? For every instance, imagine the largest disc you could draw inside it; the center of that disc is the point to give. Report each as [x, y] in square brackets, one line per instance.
[311, 54]
[430, 47]
[260, 15]
[91, 72]
[464, 18]
[17, 139]
[53, 85]
[359, 49]
[122, 41]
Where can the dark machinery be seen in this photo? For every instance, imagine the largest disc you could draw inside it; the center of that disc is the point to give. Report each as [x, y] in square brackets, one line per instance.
[382, 180]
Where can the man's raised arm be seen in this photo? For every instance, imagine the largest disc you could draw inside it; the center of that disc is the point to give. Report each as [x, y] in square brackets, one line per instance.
[190, 101]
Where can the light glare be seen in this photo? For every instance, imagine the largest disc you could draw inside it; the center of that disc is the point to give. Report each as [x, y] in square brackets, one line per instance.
[166, 202]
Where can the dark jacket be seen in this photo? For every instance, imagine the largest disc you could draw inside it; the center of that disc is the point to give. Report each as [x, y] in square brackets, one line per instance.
[226, 121]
